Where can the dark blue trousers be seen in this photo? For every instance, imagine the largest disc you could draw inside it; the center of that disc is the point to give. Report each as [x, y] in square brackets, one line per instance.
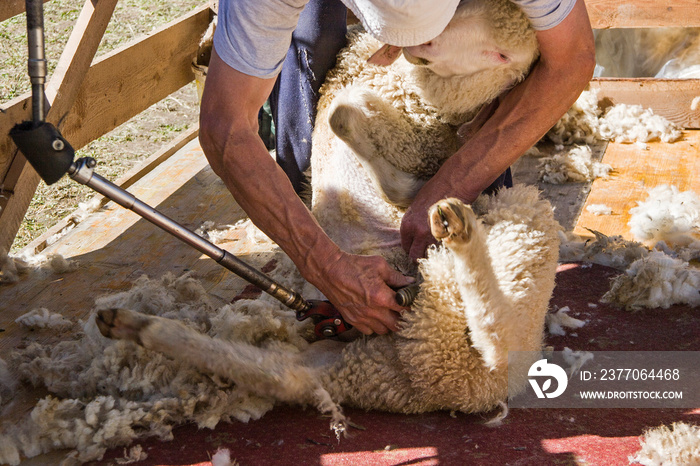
[319, 36]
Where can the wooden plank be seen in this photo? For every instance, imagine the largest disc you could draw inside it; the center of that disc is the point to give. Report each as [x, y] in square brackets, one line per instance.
[116, 88]
[125, 181]
[11, 8]
[635, 171]
[606, 14]
[670, 98]
[126, 82]
[60, 93]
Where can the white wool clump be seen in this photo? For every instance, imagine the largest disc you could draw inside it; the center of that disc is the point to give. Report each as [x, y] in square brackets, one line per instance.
[579, 124]
[85, 209]
[574, 165]
[558, 320]
[222, 458]
[132, 455]
[575, 360]
[8, 268]
[585, 123]
[630, 123]
[599, 209]
[664, 446]
[210, 231]
[42, 318]
[667, 215]
[12, 267]
[107, 393]
[79, 215]
[610, 251]
[655, 281]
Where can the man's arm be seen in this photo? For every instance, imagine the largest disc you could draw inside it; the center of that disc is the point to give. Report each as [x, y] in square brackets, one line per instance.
[359, 286]
[526, 113]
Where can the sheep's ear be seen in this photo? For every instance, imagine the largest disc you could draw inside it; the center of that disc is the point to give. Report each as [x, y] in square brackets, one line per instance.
[497, 57]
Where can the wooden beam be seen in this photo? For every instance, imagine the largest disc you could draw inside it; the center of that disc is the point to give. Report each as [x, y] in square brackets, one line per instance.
[124, 83]
[117, 87]
[670, 98]
[12, 8]
[605, 14]
[61, 91]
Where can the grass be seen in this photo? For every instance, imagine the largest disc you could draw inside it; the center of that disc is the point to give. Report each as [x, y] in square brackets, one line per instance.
[125, 146]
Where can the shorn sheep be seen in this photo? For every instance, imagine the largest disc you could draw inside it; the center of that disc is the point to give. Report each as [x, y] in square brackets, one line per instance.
[380, 133]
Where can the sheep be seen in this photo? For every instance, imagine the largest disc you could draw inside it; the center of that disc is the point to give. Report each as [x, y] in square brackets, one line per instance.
[380, 133]
[484, 291]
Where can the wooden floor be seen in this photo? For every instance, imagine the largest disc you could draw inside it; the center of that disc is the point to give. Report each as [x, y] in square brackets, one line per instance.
[114, 246]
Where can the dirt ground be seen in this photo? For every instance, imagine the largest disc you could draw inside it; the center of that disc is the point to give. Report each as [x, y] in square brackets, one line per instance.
[127, 145]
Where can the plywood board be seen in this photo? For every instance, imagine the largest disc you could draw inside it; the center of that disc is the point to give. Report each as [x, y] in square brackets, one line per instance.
[635, 171]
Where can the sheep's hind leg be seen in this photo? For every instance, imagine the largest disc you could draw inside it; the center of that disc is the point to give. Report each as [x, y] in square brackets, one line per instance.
[122, 324]
[266, 371]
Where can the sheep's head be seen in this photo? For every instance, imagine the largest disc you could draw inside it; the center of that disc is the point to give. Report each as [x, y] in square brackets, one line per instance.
[483, 35]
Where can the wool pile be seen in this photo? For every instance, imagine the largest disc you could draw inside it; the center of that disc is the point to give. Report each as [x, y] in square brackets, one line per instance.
[669, 446]
[106, 393]
[657, 269]
[14, 267]
[587, 122]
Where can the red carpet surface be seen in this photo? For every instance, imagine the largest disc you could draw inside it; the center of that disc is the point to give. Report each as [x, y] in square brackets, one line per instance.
[293, 436]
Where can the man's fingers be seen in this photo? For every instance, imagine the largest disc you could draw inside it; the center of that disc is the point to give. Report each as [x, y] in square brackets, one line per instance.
[385, 56]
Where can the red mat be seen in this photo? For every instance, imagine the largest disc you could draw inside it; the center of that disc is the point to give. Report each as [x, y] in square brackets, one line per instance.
[292, 436]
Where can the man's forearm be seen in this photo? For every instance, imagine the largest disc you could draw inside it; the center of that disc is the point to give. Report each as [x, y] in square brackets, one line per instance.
[527, 112]
[266, 194]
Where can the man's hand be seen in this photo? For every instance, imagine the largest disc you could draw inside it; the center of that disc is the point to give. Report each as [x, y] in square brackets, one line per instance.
[362, 289]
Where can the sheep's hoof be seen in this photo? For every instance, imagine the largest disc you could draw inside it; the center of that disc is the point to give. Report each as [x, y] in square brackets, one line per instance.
[450, 220]
[121, 324]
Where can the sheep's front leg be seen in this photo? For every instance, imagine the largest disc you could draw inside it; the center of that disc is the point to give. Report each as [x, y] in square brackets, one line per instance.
[485, 306]
[374, 130]
[276, 373]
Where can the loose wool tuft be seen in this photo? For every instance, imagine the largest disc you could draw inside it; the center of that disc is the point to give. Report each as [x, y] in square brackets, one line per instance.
[678, 445]
[667, 215]
[655, 281]
[586, 122]
[599, 209]
[574, 165]
[42, 318]
[108, 393]
[13, 267]
[557, 321]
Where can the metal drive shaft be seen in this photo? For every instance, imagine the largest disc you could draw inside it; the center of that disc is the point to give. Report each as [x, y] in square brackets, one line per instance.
[82, 172]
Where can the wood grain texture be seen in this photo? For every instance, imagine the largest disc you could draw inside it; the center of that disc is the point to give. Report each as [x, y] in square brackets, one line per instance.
[11, 8]
[670, 98]
[116, 88]
[606, 14]
[635, 171]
